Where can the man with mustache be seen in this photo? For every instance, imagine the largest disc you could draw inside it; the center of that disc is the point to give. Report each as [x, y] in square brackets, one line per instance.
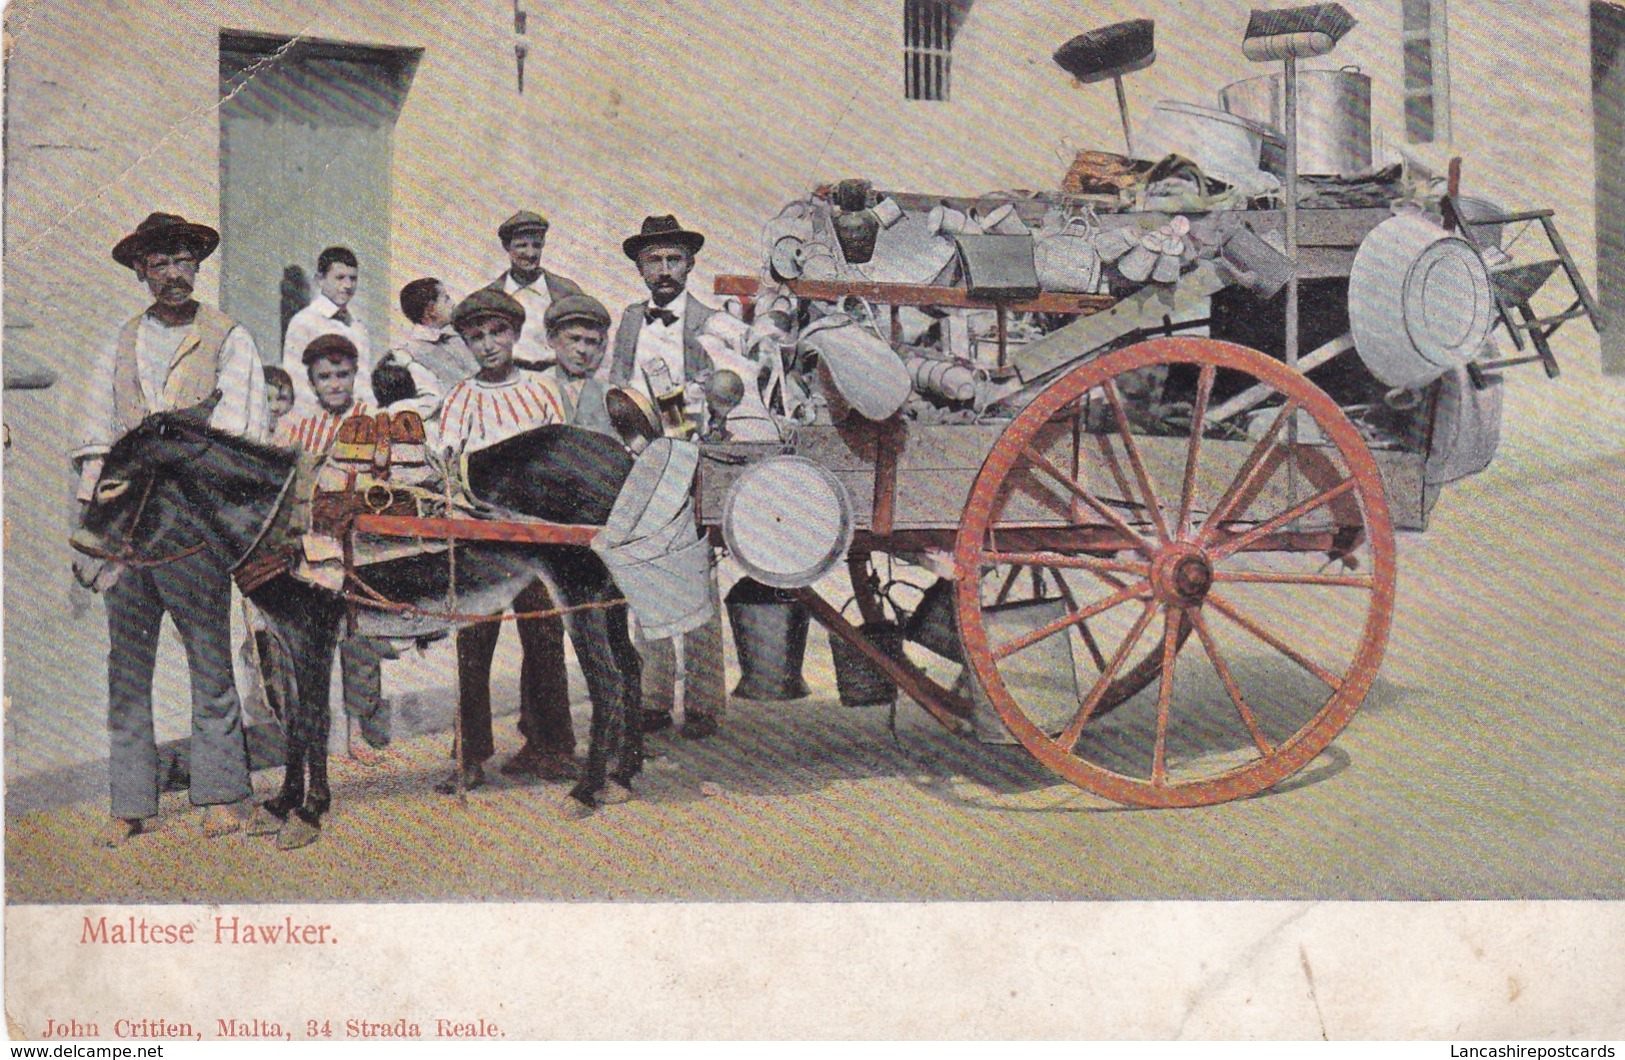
[174, 355]
[331, 312]
[657, 349]
[523, 236]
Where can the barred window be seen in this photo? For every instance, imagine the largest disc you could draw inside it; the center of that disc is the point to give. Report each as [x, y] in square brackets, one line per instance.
[1427, 72]
[928, 41]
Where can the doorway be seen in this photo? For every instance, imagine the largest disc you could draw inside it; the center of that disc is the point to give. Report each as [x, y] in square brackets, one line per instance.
[305, 146]
[1608, 108]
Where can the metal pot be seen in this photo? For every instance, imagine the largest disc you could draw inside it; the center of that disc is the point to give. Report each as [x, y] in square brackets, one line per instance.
[1224, 145]
[1334, 116]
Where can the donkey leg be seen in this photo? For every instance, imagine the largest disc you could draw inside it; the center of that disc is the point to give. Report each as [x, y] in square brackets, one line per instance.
[582, 579]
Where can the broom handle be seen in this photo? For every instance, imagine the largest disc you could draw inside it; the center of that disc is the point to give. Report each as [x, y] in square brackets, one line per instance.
[1122, 110]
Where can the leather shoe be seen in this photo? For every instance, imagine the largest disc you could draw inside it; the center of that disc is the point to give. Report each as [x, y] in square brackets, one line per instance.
[654, 720]
[473, 777]
[699, 726]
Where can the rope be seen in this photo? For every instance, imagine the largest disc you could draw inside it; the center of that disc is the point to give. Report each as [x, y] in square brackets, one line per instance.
[370, 597]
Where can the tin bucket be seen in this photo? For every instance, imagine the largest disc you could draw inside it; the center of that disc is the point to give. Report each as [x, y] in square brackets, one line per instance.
[932, 625]
[860, 682]
[770, 636]
[669, 591]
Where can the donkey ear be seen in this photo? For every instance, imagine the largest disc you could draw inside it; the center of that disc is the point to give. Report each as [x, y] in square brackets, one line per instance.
[202, 410]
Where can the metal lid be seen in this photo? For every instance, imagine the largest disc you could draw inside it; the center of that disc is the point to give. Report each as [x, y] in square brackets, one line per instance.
[788, 521]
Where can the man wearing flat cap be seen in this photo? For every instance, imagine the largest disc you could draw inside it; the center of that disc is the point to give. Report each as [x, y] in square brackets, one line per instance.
[176, 354]
[499, 402]
[657, 348]
[523, 236]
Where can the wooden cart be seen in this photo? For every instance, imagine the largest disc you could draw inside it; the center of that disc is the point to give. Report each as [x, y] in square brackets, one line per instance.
[1165, 618]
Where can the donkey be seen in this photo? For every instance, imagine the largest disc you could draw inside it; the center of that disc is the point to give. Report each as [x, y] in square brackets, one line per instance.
[173, 486]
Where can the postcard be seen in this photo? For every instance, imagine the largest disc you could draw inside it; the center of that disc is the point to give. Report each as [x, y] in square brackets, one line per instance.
[922, 520]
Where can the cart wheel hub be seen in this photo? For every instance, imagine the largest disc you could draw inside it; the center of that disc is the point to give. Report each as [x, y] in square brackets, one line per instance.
[1182, 576]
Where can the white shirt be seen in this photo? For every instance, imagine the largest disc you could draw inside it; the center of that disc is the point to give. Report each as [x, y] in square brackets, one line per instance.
[317, 319]
[532, 343]
[241, 410]
[478, 414]
[659, 341]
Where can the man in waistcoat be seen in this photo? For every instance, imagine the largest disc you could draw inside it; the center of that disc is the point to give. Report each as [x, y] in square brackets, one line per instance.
[175, 354]
[523, 236]
[657, 348]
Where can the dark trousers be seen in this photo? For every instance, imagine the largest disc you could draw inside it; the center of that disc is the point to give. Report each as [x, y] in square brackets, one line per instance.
[544, 684]
[196, 593]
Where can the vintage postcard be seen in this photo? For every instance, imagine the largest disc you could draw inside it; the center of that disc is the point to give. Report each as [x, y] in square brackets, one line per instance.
[919, 519]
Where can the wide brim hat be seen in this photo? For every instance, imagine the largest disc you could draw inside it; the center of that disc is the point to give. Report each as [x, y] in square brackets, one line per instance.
[485, 303]
[523, 221]
[662, 230]
[165, 230]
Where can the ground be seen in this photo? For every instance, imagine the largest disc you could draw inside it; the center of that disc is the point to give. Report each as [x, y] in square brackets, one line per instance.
[1484, 764]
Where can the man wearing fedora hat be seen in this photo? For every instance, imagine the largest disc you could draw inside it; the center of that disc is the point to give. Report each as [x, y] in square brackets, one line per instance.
[660, 340]
[664, 330]
[176, 354]
[523, 236]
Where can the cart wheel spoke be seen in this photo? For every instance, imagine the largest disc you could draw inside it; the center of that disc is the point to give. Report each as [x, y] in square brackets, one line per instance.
[1229, 610]
[1223, 670]
[1297, 511]
[1153, 506]
[1074, 728]
[1135, 540]
[1356, 581]
[1165, 695]
[1084, 633]
[1249, 479]
[1204, 390]
[1057, 560]
[1010, 647]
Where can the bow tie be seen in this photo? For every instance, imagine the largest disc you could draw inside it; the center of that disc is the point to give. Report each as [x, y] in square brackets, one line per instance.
[342, 316]
[653, 313]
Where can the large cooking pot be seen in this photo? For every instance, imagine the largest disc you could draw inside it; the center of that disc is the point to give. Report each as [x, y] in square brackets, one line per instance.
[1334, 116]
[1224, 145]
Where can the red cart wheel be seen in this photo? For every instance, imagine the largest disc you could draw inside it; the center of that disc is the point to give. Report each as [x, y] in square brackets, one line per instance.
[1258, 572]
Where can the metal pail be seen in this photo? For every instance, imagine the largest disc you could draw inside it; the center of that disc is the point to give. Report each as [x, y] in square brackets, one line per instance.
[770, 636]
[670, 593]
[860, 682]
[932, 625]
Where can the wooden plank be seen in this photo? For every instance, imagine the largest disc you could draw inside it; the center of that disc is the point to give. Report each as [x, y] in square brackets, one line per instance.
[917, 294]
[475, 530]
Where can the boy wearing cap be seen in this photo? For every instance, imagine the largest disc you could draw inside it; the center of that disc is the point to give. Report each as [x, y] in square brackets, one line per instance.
[523, 236]
[660, 339]
[330, 370]
[329, 313]
[496, 403]
[577, 327]
[174, 355]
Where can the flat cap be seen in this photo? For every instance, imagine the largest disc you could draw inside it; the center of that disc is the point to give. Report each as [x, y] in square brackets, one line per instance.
[486, 303]
[572, 308]
[333, 345]
[524, 220]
